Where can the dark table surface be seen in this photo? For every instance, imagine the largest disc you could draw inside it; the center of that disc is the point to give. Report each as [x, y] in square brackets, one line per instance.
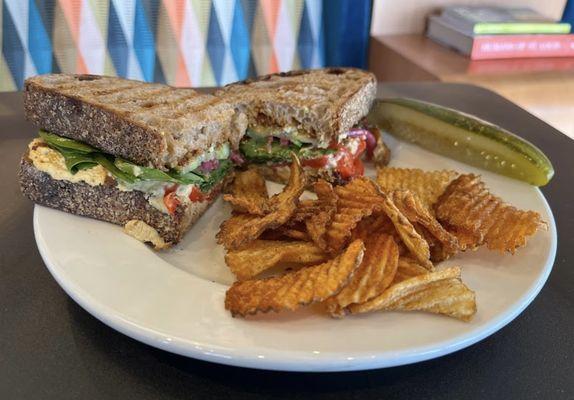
[50, 348]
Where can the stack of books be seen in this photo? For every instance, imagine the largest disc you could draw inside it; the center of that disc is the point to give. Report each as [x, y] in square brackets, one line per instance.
[500, 32]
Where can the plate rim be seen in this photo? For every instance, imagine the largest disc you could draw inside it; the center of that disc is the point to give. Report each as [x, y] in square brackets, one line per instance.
[295, 361]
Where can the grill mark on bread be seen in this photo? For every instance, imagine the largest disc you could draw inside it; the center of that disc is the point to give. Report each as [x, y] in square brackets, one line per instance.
[198, 108]
[323, 103]
[125, 96]
[93, 90]
[144, 126]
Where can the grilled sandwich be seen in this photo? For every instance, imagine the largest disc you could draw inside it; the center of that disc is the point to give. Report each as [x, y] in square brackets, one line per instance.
[145, 156]
[316, 114]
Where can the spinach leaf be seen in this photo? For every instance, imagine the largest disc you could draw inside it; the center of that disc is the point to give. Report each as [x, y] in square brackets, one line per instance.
[145, 173]
[65, 143]
[76, 161]
[107, 163]
[78, 156]
[259, 151]
[188, 178]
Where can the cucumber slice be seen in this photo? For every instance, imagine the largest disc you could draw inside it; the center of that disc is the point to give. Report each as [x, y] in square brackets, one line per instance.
[462, 137]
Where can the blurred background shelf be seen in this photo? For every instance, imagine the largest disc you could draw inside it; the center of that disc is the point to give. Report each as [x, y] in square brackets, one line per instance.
[543, 86]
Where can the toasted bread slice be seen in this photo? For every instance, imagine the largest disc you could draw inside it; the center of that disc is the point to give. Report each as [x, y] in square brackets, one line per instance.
[149, 124]
[108, 203]
[322, 103]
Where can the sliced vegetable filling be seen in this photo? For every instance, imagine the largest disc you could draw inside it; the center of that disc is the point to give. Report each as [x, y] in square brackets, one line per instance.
[172, 186]
[344, 157]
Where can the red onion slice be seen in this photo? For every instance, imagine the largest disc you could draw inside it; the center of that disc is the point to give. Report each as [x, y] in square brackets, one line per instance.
[237, 158]
[208, 166]
[369, 138]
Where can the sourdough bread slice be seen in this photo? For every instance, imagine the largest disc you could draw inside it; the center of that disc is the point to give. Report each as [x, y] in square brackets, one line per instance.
[107, 203]
[149, 124]
[323, 103]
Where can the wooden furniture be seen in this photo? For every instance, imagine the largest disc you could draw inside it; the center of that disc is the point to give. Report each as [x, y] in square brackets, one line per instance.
[545, 87]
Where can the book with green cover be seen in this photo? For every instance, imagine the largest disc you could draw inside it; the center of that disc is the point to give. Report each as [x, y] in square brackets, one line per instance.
[521, 28]
[489, 20]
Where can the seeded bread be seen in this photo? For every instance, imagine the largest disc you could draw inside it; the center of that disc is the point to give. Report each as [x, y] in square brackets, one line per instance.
[323, 103]
[149, 124]
[107, 203]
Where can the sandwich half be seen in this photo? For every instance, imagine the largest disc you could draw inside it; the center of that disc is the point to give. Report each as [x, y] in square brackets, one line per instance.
[317, 114]
[149, 157]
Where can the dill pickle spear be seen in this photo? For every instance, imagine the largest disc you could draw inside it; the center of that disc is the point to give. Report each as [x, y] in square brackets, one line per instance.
[462, 137]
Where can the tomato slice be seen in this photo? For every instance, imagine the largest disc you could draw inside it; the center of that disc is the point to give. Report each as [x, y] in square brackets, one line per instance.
[315, 162]
[349, 164]
[196, 195]
[345, 165]
[359, 167]
[171, 201]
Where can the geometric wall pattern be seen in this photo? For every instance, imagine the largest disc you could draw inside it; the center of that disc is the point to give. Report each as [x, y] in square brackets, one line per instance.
[179, 42]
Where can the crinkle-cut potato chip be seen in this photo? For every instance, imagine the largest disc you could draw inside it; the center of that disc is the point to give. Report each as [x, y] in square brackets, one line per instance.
[243, 228]
[407, 268]
[260, 255]
[326, 200]
[438, 251]
[440, 292]
[287, 232]
[356, 200]
[375, 274]
[427, 185]
[476, 216]
[317, 223]
[442, 243]
[342, 225]
[295, 289]
[409, 235]
[305, 210]
[374, 224]
[359, 199]
[249, 193]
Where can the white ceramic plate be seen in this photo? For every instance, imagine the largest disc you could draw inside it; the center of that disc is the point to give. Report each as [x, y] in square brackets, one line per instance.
[174, 300]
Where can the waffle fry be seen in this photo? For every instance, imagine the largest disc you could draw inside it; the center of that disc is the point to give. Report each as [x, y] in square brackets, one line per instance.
[440, 292]
[261, 255]
[426, 185]
[442, 243]
[249, 193]
[477, 217]
[296, 289]
[375, 274]
[243, 228]
[407, 268]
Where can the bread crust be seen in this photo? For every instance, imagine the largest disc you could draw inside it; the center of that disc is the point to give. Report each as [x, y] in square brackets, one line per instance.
[108, 203]
[149, 124]
[68, 116]
[324, 103]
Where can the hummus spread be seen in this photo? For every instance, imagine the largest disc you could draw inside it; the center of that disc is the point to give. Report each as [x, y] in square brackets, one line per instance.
[51, 162]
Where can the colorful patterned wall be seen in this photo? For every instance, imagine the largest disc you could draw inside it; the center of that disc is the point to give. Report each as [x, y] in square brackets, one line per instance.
[180, 42]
